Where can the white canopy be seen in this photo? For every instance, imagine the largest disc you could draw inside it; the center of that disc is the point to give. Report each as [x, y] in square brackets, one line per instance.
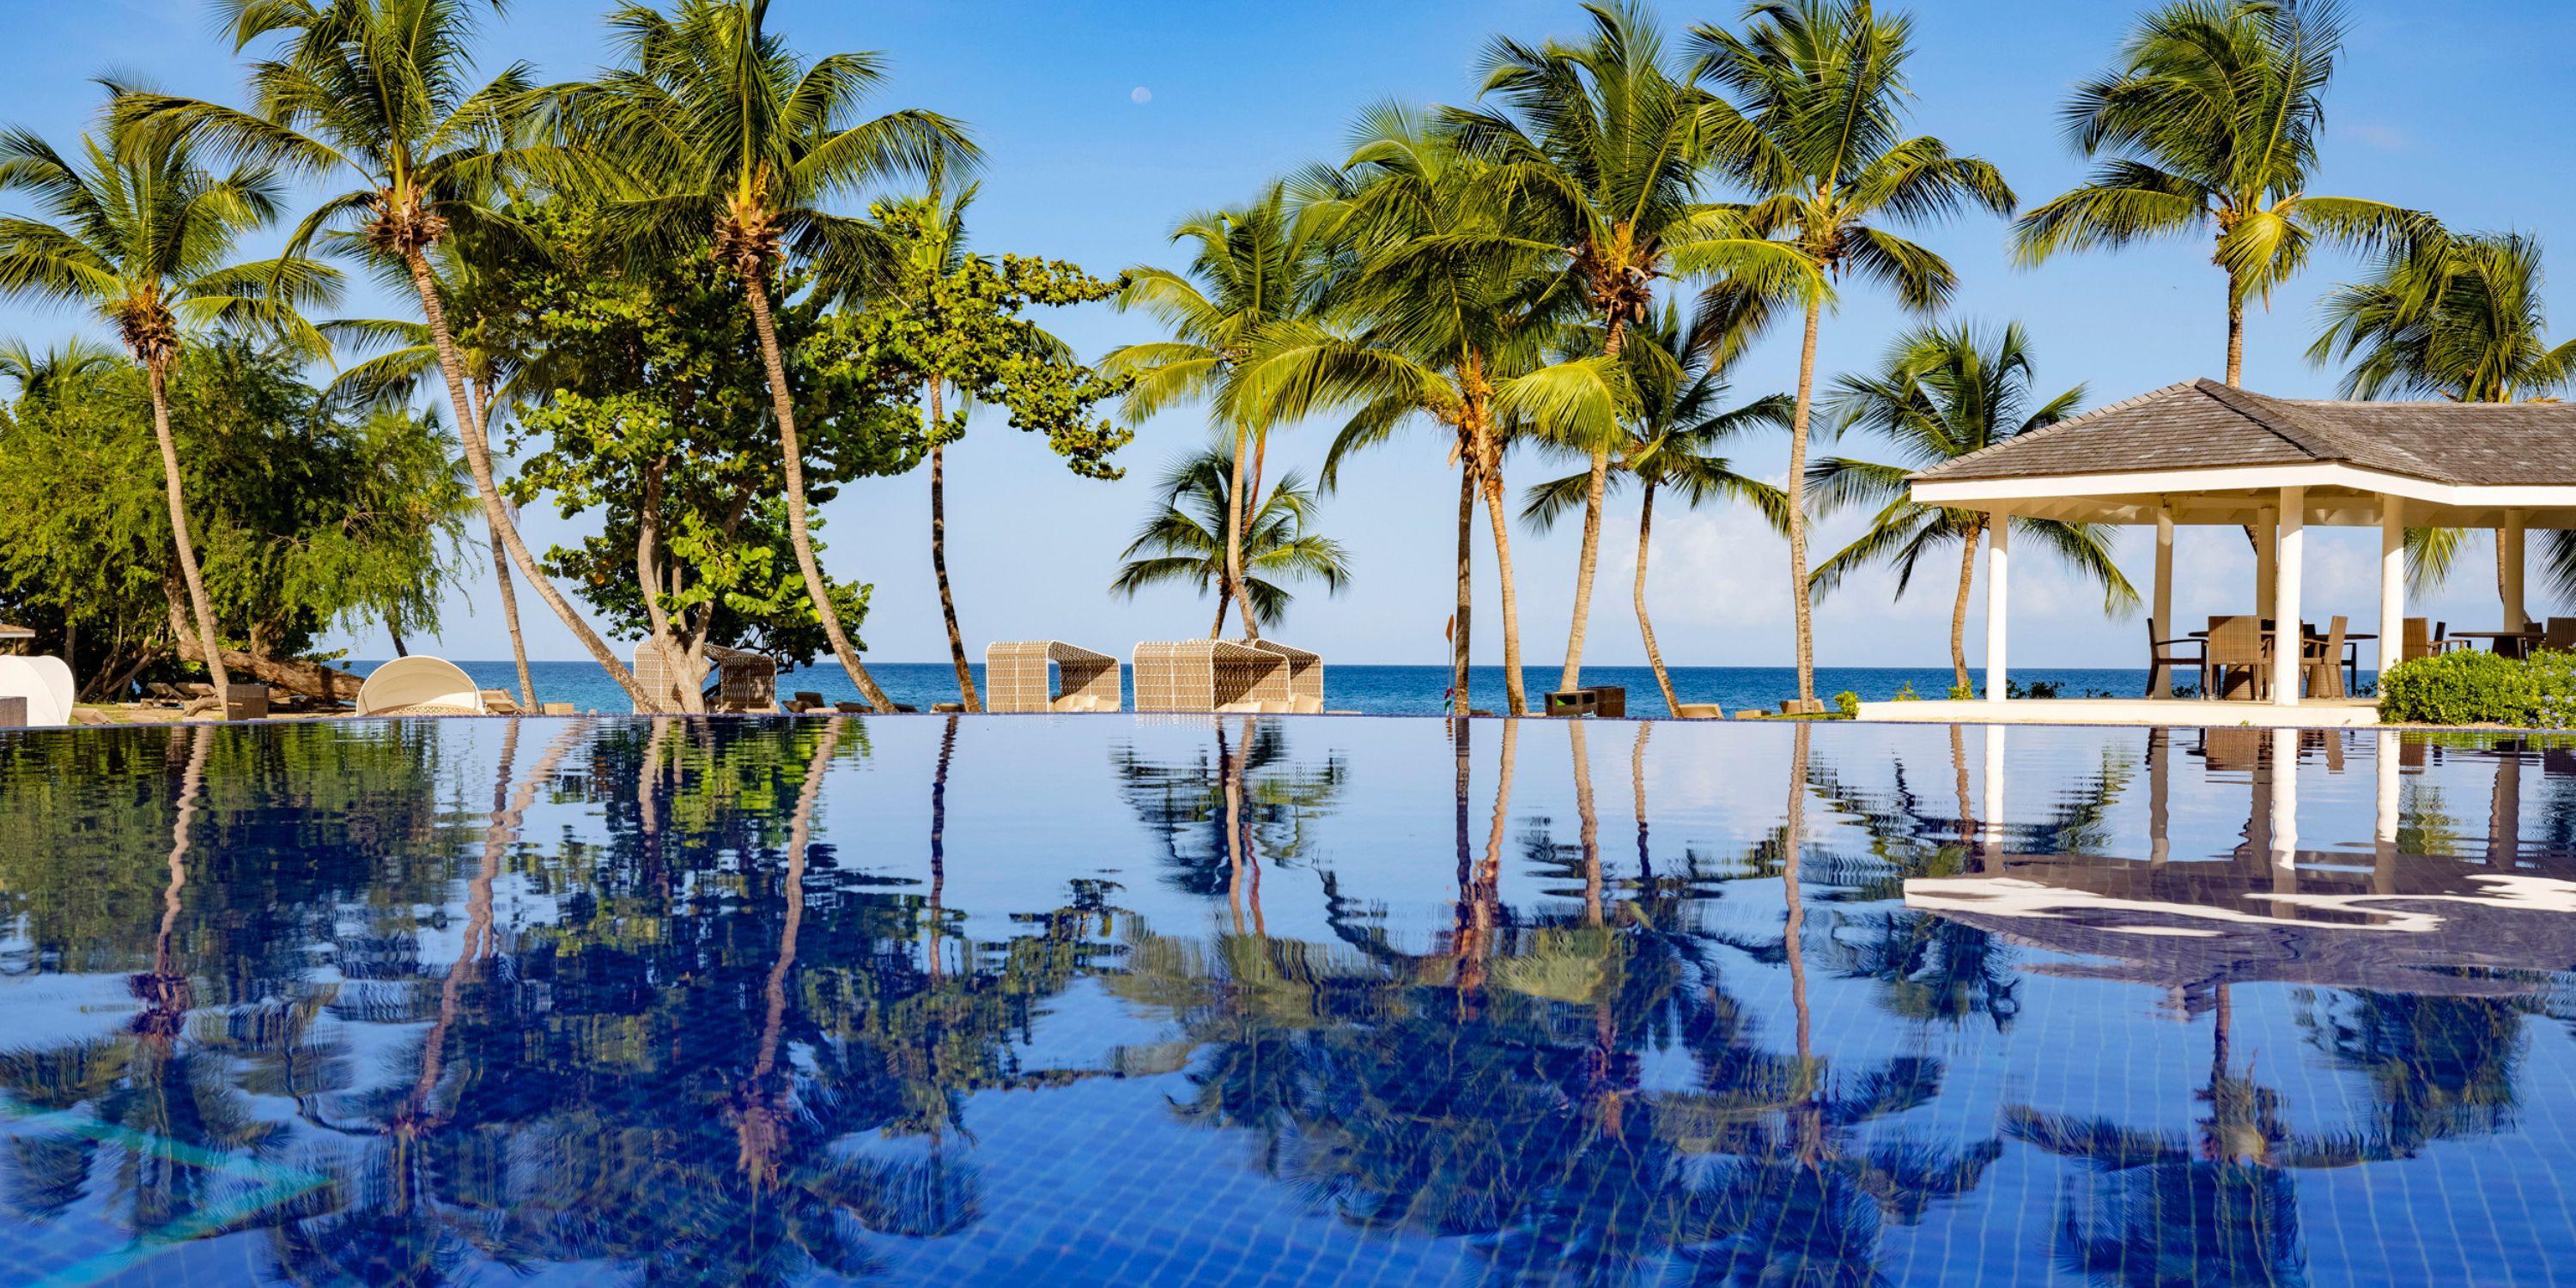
[419, 685]
[46, 684]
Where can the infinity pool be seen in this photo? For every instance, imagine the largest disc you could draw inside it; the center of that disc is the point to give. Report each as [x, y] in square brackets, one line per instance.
[1113, 1000]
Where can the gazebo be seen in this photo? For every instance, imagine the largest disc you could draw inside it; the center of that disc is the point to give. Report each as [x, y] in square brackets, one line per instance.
[2205, 454]
[1015, 677]
[1305, 675]
[1209, 675]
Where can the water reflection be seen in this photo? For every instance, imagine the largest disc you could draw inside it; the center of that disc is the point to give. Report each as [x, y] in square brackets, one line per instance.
[962, 999]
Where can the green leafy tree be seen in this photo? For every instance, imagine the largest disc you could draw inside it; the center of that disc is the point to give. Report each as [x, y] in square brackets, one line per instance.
[136, 231]
[1811, 117]
[954, 319]
[380, 92]
[2207, 125]
[713, 122]
[1252, 268]
[1941, 393]
[1679, 372]
[1601, 146]
[1184, 540]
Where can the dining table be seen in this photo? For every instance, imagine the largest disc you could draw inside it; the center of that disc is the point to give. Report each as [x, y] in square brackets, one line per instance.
[2352, 641]
[2521, 640]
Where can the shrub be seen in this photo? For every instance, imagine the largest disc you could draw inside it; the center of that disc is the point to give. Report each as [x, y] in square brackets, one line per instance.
[2465, 687]
[1848, 703]
[1905, 693]
[1963, 693]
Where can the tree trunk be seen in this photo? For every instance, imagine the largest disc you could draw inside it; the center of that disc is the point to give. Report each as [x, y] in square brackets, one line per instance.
[792, 458]
[208, 645]
[1515, 692]
[501, 569]
[296, 674]
[401, 649]
[648, 583]
[478, 461]
[1234, 541]
[1459, 658]
[1959, 607]
[1645, 624]
[1801, 605]
[1216, 631]
[2235, 338]
[1594, 487]
[939, 564]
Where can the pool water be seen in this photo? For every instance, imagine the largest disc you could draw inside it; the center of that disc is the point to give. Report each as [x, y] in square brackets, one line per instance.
[1132, 1000]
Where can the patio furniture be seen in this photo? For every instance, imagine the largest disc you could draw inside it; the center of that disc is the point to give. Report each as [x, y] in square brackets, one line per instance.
[1016, 677]
[1305, 676]
[804, 701]
[246, 702]
[500, 703]
[853, 708]
[1610, 701]
[13, 713]
[2504, 643]
[745, 681]
[1573, 702]
[2235, 645]
[1209, 675]
[2325, 662]
[419, 685]
[2559, 635]
[2418, 643]
[2164, 656]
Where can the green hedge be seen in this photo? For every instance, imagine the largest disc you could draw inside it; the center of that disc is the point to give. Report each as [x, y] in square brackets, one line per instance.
[2461, 688]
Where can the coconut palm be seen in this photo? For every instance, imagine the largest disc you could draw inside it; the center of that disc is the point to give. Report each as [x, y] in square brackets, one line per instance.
[2207, 125]
[714, 123]
[1251, 267]
[133, 229]
[1185, 540]
[2458, 317]
[1941, 393]
[43, 374]
[1600, 144]
[1811, 118]
[379, 91]
[1680, 375]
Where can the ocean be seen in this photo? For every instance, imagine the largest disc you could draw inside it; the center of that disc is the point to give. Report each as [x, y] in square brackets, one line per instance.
[1380, 690]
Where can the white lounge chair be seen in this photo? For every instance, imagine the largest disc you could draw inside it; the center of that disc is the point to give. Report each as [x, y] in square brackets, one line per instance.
[45, 682]
[419, 685]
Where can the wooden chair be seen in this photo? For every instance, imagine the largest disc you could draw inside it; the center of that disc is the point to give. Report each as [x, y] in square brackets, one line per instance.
[2166, 656]
[2560, 634]
[2323, 662]
[2235, 644]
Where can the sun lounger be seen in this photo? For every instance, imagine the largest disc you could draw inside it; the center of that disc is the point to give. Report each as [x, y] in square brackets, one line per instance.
[419, 685]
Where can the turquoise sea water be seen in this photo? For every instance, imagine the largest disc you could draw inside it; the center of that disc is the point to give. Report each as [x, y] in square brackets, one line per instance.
[1384, 690]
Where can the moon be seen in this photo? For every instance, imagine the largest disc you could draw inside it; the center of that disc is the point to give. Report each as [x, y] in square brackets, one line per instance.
[1140, 94]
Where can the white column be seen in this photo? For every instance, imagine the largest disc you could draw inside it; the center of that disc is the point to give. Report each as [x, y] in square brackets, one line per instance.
[1998, 584]
[2384, 756]
[2286, 636]
[1993, 831]
[2509, 544]
[2267, 544]
[2392, 581]
[2164, 620]
[2285, 804]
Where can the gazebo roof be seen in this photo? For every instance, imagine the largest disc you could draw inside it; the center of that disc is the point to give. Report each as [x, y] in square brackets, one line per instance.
[9, 632]
[2209, 453]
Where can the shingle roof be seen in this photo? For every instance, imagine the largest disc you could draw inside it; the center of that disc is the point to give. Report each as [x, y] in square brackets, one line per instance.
[2203, 423]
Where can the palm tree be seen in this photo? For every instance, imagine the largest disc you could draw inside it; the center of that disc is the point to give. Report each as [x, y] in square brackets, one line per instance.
[1813, 124]
[1941, 393]
[1252, 267]
[1601, 145]
[1680, 375]
[1184, 541]
[714, 122]
[137, 232]
[2207, 125]
[378, 91]
[43, 374]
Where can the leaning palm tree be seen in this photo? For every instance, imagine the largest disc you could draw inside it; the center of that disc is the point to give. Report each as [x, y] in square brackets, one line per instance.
[714, 124]
[1251, 267]
[138, 232]
[1811, 118]
[2207, 126]
[378, 91]
[1185, 540]
[1943, 392]
[2459, 317]
[1600, 143]
[1680, 375]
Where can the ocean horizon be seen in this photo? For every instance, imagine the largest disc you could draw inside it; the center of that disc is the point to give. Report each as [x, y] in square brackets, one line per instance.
[1375, 689]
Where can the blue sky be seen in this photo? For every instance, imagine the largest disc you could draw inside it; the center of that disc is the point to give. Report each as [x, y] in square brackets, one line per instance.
[2456, 109]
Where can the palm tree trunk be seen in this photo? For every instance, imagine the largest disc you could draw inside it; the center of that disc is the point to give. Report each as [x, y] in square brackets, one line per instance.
[1234, 540]
[1458, 655]
[1645, 624]
[939, 563]
[792, 458]
[501, 569]
[1800, 604]
[198, 603]
[1224, 601]
[1959, 607]
[1593, 489]
[1515, 693]
[2235, 338]
[478, 461]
